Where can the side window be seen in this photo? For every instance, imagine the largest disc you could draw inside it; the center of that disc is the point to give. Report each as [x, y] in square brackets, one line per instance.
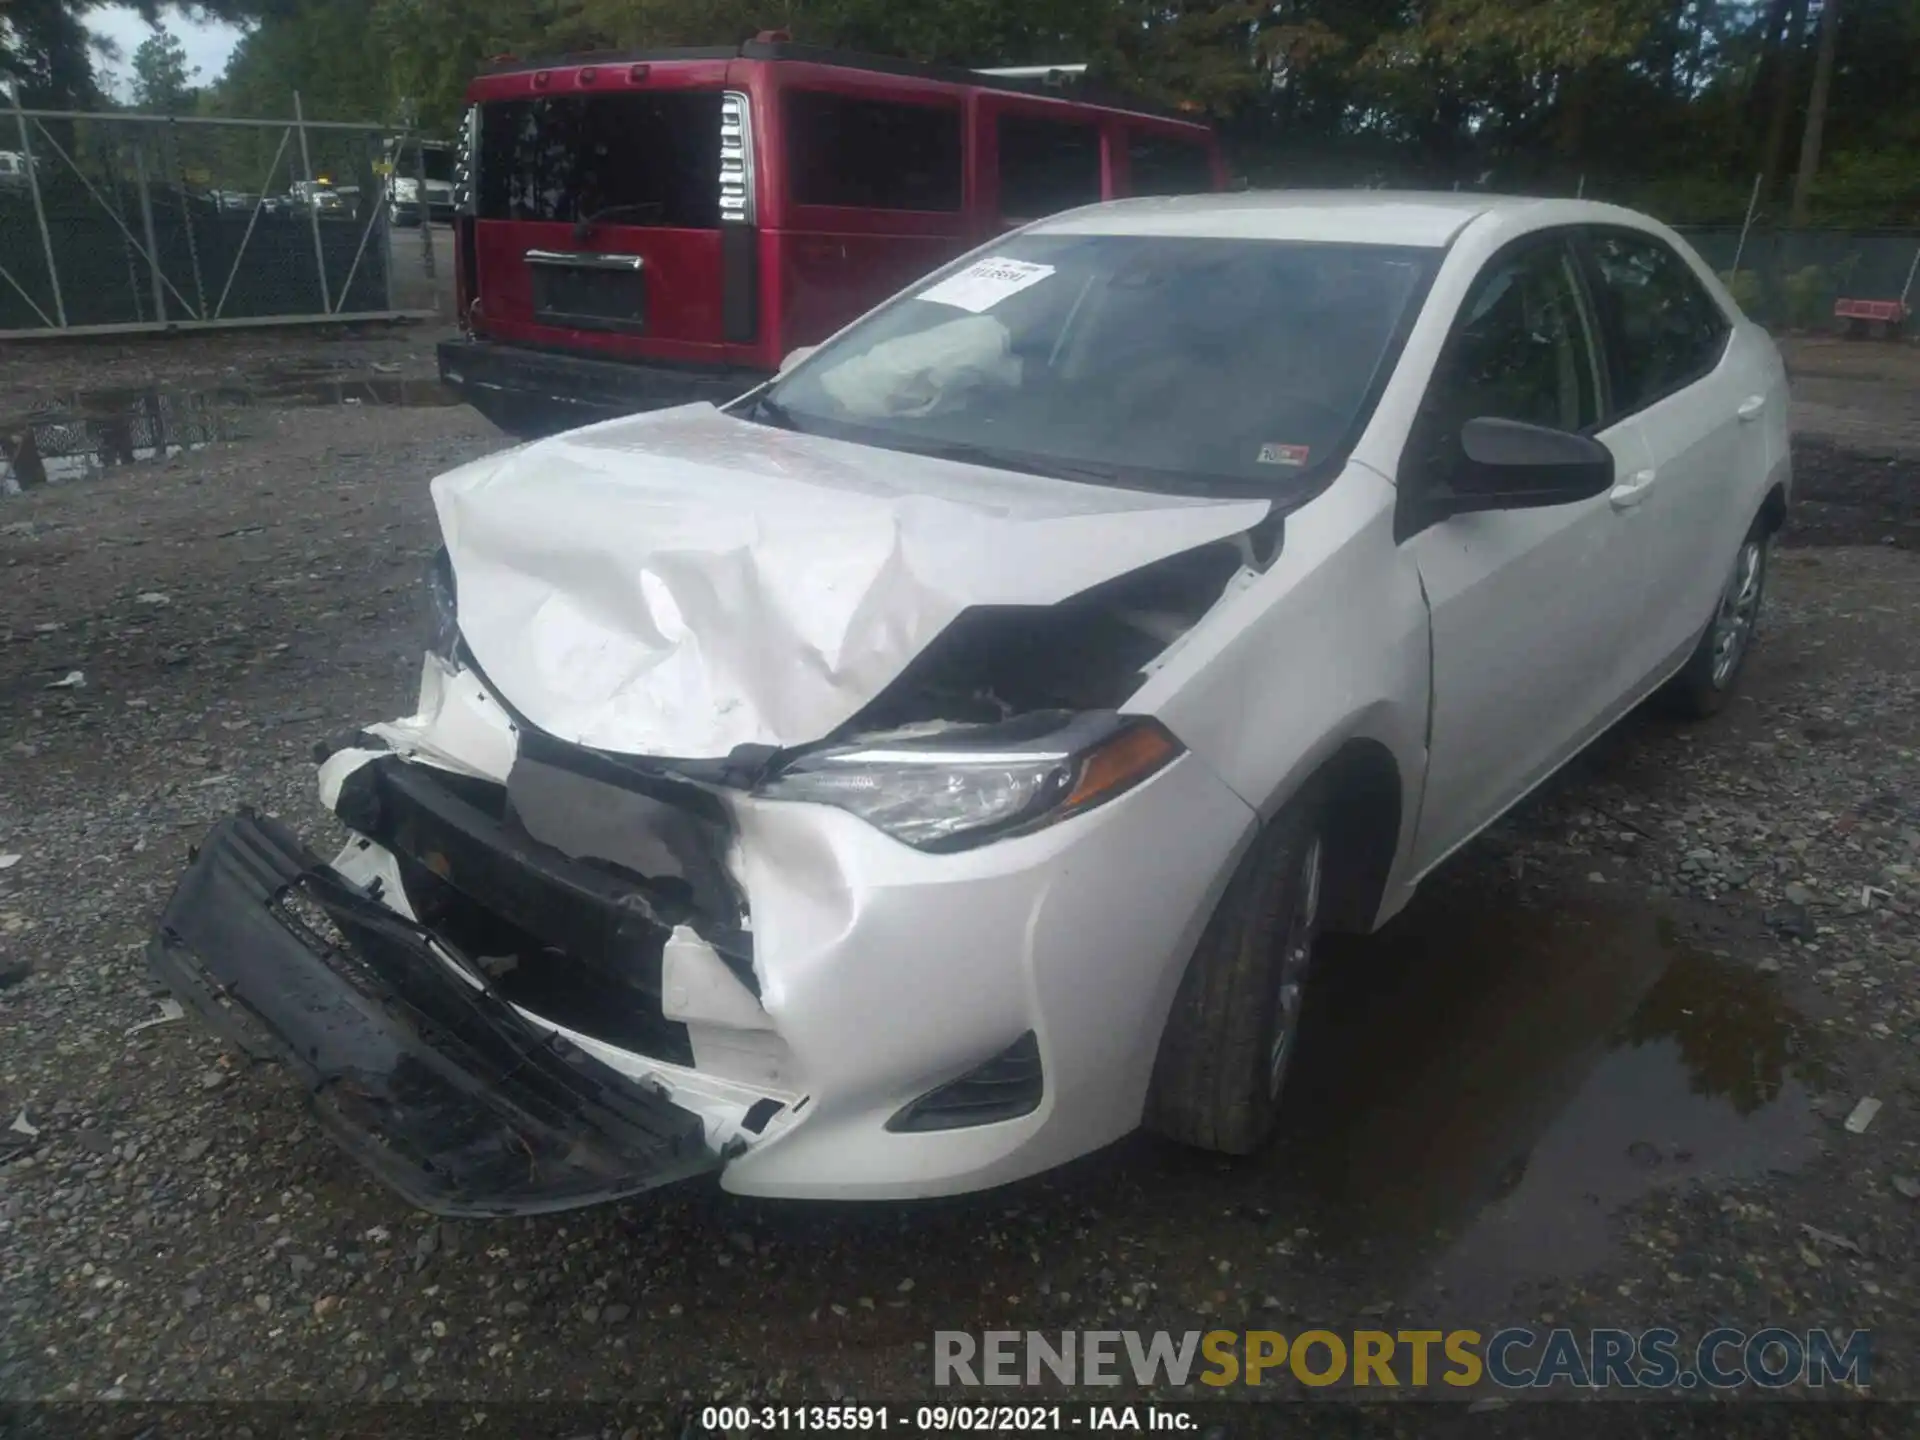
[1046, 165]
[1164, 165]
[1523, 348]
[872, 154]
[1666, 328]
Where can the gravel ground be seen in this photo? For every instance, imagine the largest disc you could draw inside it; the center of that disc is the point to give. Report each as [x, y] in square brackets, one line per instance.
[1616, 1096]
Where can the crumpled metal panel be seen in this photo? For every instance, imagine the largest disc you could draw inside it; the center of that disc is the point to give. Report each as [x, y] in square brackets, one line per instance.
[681, 583]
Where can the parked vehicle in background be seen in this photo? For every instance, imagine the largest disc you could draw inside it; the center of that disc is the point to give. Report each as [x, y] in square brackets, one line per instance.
[406, 161]
[15, 168]
[322, 197]
[948, 757]
[645, 229]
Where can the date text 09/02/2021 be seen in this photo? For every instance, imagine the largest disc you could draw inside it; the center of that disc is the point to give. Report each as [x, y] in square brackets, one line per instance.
[921, 1419]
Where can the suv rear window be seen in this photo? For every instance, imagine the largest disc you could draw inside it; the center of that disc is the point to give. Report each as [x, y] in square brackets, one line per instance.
[648, 159]
[1046, 165]
[1163, 165]
[873, 154]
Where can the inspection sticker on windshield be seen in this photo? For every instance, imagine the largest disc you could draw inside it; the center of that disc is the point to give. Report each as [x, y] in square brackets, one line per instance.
[1283, 455]
[985, 283]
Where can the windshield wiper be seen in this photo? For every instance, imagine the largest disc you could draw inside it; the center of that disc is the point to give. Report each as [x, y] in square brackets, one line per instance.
[772, 412]
[584, 225]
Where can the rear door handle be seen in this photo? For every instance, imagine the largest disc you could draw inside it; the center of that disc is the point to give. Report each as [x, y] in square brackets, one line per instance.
[1752, 408]
[1631, 491]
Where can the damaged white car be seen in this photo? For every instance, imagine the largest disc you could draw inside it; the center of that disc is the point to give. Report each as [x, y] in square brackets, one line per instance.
[942, 760]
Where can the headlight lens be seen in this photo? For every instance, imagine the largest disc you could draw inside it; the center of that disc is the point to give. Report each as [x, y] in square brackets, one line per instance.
[966, 785]
[443, 610]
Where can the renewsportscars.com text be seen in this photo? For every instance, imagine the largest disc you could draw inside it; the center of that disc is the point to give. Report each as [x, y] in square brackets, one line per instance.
[1515, 1358]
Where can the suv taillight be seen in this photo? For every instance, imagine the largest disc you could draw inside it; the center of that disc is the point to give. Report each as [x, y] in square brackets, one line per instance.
[463, 161]
[736, 159]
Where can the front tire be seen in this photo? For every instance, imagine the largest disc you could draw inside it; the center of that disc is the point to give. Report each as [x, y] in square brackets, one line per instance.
[1231, 1038]
[1704, 683]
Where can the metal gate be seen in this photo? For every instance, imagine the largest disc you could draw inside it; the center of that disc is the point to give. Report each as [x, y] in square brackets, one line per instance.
[117, 223]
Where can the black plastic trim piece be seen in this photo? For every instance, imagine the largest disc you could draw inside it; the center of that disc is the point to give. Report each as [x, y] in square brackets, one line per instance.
[740, 284]
[431, 1081]
[1006, 1087]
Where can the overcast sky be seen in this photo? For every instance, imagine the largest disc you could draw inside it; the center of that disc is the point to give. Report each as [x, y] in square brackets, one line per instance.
[208, 43]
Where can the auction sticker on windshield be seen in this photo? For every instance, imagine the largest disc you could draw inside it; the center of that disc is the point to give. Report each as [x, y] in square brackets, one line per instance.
[985, 283]
[1283, 454]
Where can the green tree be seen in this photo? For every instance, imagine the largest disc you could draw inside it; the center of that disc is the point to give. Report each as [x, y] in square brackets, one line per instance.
[1675, 104]
[47, 53]
[162, 79]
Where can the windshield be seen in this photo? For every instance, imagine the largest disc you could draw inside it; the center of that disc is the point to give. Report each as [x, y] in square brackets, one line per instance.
[1179, 363]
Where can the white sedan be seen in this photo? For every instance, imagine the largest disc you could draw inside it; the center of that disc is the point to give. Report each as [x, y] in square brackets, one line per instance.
[944, 759]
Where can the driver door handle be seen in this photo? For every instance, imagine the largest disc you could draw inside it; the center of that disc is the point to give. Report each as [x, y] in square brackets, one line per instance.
[1631, 491]
[1752, 408]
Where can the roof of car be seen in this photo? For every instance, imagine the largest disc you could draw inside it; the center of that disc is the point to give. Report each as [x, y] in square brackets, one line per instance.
[1374, 217]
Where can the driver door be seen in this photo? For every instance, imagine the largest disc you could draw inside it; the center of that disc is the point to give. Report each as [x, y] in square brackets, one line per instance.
[1530, 608]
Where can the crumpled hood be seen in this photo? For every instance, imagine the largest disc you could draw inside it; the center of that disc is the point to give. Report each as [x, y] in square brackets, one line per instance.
[682, 582]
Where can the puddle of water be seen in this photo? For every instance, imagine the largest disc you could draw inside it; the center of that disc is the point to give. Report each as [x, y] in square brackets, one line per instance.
[1488, 1086]
[97, 430]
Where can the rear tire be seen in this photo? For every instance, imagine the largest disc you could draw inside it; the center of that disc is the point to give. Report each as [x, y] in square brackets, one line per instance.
[1231, 1038]
[1704, 683]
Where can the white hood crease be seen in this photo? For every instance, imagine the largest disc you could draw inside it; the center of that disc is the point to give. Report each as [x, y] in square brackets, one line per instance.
[682, 582]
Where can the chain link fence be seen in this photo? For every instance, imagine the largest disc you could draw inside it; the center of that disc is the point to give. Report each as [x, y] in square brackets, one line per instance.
[122, 223]
[1792, 279]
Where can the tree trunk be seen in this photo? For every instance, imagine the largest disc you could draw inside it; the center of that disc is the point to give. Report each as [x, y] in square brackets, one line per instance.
[1786, 72]
[1761, 86]
[1816, 112]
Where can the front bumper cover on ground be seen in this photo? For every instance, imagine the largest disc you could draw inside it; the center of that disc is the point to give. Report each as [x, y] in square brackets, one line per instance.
[436, 1084]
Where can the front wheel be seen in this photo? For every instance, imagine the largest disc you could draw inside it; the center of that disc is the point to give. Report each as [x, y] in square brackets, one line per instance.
[1230, 1040]
[1703, 684]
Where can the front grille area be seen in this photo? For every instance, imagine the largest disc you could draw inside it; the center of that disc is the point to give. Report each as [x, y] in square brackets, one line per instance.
[1004, 1088]
[576, 941]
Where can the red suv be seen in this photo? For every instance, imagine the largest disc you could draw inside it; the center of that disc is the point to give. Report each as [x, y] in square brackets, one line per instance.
[647, 229]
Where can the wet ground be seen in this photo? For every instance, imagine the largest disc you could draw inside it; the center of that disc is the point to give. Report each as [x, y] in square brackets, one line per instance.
[93, 430]
[1596, 1074]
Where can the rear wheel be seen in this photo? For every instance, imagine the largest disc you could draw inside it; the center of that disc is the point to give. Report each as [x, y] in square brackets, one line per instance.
[1230, 1040]
[1702, 686]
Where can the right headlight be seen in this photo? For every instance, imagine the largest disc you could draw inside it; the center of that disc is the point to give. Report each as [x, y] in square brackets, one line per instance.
[962, 786]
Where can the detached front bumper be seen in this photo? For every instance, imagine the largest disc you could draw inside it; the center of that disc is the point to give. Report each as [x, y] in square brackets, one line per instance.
[412, 1062]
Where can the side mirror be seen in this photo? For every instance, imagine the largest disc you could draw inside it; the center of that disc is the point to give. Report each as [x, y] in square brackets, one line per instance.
[794, 357]
[1511, 465]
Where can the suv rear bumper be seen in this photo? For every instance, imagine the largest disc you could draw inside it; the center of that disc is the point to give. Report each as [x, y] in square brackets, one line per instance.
[538, 392]
[411, 1062]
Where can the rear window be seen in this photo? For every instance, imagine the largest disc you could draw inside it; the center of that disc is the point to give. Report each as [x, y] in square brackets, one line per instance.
[1167, 165]
[1046, 165]
[872, 154]
[645, 159]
